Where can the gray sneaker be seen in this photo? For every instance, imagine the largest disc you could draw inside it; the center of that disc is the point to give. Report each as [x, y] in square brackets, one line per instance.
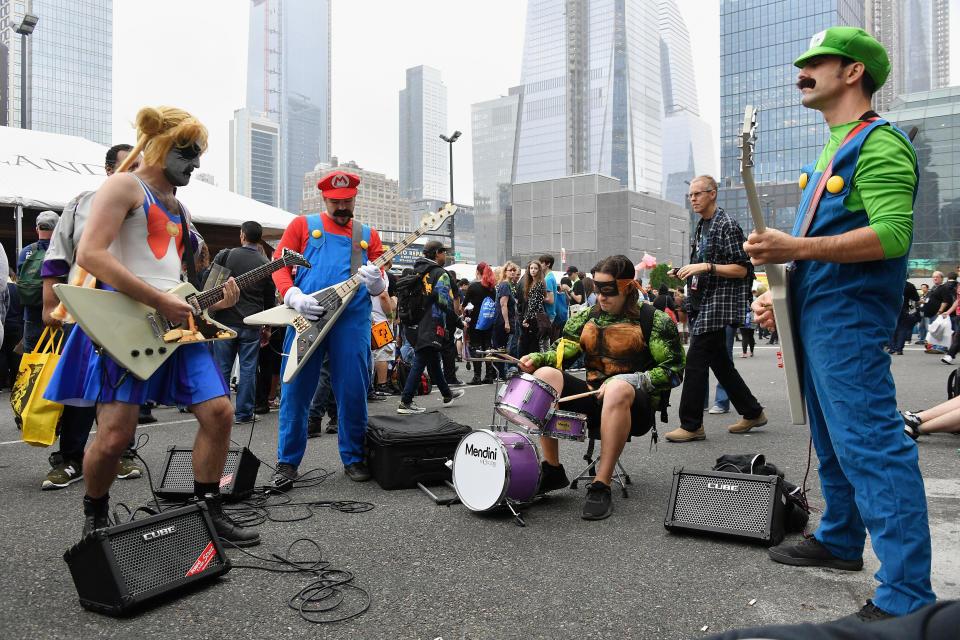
[128, 469]
[63, 475]
[411, 408]
[454, 394]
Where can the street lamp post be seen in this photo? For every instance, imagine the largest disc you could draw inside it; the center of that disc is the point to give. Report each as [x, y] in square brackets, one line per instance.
[25, 29]
[450, 140]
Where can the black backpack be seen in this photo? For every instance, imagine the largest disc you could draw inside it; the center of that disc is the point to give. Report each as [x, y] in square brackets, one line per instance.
[412, 297]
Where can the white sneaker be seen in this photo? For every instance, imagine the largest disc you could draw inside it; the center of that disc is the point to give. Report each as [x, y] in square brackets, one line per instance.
[715, 410]
[946, 359]
[412, 408]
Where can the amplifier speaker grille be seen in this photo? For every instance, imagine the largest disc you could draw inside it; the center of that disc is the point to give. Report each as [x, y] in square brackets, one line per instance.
[735, 504]
[237, 482]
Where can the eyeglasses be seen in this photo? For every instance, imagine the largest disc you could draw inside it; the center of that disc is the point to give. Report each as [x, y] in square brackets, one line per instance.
[697, 194]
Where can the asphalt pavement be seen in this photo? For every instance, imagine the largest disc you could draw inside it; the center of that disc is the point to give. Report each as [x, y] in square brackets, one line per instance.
[445, 572]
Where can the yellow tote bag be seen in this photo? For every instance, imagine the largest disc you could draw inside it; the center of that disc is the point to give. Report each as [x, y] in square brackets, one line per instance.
[38, 418]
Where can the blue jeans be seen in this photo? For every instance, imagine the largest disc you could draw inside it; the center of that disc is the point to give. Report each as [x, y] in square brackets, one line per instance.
[430, 360]
[922, 329]
[247, 346]
[323, 402]
[32, 330]
[720, 398]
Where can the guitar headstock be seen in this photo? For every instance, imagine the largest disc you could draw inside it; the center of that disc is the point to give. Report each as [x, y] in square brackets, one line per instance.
[291, 258]
[748, 137]
[433, 221]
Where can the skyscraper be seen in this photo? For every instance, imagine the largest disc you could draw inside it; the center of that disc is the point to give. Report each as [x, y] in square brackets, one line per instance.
[288, 80]
[423, 118]
[492, 133]
[70, 66]
[591, 97]
[255, 157]
[759, 42]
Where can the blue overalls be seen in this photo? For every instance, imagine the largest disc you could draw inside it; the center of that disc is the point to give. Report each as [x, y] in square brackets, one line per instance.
[348, 344]
[869, 474]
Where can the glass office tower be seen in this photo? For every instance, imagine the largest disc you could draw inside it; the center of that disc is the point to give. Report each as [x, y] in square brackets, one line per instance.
[424, 157]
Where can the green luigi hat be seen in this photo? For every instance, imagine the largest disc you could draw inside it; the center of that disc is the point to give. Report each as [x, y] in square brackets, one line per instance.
[853, 43]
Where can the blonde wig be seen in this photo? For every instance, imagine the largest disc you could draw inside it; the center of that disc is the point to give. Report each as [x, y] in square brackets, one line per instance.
[158, 129]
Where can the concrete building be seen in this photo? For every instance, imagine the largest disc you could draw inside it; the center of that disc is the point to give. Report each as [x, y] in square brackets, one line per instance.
[591, 98]
[70, 66]
[466, 249]
[288, 80]
[424, 165]
[255, 157]
[493, 133]
[378, 201]
[590, 217]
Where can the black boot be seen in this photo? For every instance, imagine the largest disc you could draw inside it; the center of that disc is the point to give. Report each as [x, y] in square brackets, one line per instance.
[226, 528]
[95, 514]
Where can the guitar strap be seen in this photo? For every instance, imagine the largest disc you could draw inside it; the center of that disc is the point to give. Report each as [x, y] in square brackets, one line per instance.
[356, 251]
[827, 173]
[188, 250]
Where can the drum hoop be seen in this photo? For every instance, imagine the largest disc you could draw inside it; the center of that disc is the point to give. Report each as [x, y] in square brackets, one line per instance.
[540, 383]
[525, 414]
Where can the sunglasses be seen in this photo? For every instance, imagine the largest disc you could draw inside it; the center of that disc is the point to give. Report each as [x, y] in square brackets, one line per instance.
[697, 194]
[189, 150]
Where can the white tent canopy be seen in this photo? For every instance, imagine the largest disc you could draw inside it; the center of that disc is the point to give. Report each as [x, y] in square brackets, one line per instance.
[41, 170]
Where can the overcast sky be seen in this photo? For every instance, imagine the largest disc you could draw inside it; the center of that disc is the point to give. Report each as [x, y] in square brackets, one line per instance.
[193, 54]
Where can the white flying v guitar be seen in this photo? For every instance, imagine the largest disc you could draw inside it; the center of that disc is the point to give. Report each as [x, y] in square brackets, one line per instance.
[777, 276]
[334, 300]
[138, 338]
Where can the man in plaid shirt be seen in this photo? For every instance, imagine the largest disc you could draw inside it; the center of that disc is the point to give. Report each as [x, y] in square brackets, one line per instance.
[719, 277]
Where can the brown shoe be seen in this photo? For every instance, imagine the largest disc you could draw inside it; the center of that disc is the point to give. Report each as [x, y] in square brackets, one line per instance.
[682, 435]
[745, 425]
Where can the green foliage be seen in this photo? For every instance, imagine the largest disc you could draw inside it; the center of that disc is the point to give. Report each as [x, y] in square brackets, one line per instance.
[658, 276]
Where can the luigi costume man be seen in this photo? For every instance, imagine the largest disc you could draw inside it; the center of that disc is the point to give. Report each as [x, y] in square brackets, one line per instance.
[849, 250]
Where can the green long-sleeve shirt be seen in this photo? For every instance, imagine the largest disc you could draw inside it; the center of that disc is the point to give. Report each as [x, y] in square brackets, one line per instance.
[883, 184]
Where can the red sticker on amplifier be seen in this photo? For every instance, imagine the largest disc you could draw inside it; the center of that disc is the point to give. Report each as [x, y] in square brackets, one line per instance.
[225, 480]
[204, 560]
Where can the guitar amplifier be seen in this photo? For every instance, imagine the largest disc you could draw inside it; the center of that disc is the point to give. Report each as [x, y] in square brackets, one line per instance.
[729, 504]
[120, 568]
[237, 482]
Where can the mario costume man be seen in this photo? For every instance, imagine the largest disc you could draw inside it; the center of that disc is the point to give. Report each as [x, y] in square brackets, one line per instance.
[326, 240]
[849, 250]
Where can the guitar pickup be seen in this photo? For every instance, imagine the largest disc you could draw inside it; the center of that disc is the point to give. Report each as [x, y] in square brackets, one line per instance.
[157, 324]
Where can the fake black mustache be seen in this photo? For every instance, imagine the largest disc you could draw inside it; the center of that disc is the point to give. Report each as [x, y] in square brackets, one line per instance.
[806, 83]
[346, 213]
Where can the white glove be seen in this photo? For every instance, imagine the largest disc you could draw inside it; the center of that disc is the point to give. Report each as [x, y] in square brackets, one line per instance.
[371, 278]
[304, 304]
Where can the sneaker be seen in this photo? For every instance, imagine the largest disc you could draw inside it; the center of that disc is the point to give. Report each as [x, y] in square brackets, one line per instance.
[244, 420]
[945, 359]
[716, 410]
[552, 478]
[284, 476]
[456, 382]
[261, 409]
[682, 435]
[128, 469]
[332, 425]
[409, 408]
[911, 424]
[314, 427]
[870, 613]
[745, 425]
[373, 396]
[63, 475]
[920, 342]
[146, 417]
[475, 381]
[274, 403]
[357, 472]
[809, 552]
[454, 394]
[598, 505]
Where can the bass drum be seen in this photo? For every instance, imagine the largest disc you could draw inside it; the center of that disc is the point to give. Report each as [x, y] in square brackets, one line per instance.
[493, 467]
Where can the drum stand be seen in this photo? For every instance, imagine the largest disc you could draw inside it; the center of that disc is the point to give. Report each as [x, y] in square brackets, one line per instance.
[620, 475]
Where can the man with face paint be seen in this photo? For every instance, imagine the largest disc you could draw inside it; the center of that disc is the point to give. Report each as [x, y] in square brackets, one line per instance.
[137, 249]
[326, 240]
[849, 251]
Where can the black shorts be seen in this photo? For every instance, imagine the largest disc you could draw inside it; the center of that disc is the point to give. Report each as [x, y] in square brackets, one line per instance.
[641, 411]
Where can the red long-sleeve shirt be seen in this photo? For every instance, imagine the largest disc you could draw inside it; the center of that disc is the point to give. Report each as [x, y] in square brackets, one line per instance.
[295, 237]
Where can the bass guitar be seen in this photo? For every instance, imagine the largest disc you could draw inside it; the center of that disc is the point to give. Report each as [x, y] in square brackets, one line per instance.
[136, 336]
[334, 300]
[777, 277]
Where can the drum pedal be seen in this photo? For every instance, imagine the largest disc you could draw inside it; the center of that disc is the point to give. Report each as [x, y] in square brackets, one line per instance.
[517, 519]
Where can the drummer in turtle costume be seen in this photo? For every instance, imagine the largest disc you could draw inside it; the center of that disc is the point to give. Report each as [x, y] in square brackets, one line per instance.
[633, 355]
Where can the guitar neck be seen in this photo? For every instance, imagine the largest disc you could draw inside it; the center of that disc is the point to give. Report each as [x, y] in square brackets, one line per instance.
[353, 283]
[212, 296]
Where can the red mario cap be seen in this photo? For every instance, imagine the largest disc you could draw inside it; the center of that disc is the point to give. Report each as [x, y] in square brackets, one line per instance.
[339, 185]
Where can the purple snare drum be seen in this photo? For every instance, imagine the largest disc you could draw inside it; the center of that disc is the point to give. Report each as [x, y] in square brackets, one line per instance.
[527, 401]
[564, 425]
[491, 468]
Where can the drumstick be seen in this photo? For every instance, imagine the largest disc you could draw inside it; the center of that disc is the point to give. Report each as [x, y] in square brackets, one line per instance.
[579, 395]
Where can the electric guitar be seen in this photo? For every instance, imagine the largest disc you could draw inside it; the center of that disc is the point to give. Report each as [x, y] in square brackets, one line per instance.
[334, 300]
[777, 277]
[136, 336]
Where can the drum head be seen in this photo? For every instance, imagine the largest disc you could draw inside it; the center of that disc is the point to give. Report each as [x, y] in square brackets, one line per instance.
[480, 470]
